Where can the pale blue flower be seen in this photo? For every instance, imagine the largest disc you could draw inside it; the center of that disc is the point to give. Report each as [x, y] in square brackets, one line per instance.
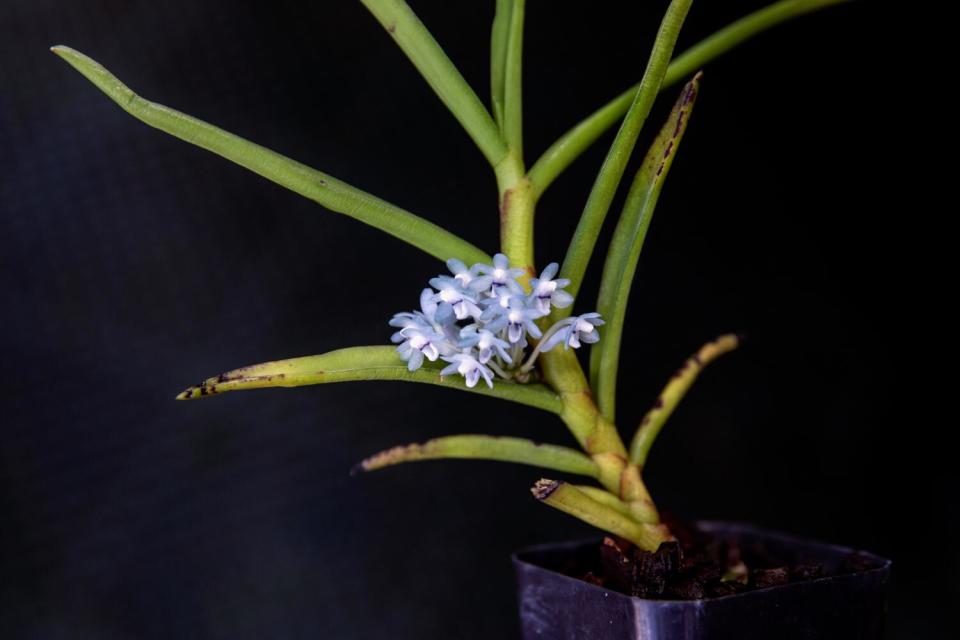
[575, 330]
[479, 320]
[517, 320]
[431, 314]
[546, 291]
[450, 291]
[498, 276]
[460, 271]
[415, 345]
[467, 365]
[486, 342]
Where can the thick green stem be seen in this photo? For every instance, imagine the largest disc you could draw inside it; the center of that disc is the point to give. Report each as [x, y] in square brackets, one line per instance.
[516, 214]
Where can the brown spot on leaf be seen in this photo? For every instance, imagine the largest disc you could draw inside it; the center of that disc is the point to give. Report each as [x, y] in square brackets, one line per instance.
[676, 131]
[505, 206]
[542, 489]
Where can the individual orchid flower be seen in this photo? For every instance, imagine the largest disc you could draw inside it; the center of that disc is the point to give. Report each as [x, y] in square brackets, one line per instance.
[486, 342]
[518, 320]
[416, 344]
[573, 331]
[467, 365]
[461, 273]
[452, 292]
[547, 291]
[498, 276]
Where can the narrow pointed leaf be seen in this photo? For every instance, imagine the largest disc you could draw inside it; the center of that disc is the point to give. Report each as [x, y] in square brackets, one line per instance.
[499, 37]
[428, 57]
[361, 363]
[626, 244]
[605, 187]
[673, 393]
[513, 83]
[569, 499]
[568, 147]
[482, 447]
[310, 183]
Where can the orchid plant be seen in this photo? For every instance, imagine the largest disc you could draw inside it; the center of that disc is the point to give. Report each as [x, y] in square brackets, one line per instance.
[494, 319]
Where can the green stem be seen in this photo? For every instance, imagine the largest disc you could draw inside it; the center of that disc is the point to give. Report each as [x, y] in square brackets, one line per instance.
[604, 188]
[563, 373]
[428, 57]
[362, 363]
[482, 447]
[549, 333]
[516, 215]
[568, 147]
[310, 183]
[624, 253]
[673, 393]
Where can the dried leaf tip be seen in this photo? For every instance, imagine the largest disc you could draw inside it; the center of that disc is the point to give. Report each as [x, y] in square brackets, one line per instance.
[543, 487]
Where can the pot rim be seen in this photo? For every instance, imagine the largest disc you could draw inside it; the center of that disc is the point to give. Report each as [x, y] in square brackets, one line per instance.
[882, 565]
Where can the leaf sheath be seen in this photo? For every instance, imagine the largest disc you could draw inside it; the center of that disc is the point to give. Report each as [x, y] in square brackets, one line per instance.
[567, 498]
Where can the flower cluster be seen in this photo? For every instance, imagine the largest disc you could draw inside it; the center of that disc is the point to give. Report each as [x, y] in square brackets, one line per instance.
[479, 320]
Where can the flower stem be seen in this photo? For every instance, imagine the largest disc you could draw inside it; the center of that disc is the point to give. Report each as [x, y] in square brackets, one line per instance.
[497, 370]
[549, 333]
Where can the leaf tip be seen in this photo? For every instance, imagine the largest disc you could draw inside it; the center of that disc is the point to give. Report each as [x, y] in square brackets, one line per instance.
[358, 468]
[543, 487]
[198, 391]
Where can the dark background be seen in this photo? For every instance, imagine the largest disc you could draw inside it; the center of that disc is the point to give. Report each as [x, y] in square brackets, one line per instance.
[134, 264]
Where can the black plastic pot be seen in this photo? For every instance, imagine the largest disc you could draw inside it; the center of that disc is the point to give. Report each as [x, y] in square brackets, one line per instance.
[554, 606]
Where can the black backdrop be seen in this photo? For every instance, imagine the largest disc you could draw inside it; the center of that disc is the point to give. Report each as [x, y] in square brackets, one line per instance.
[133, 264]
